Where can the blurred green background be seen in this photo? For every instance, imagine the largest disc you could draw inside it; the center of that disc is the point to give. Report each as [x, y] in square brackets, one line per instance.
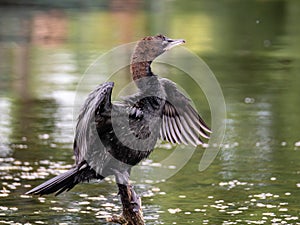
[251, 46]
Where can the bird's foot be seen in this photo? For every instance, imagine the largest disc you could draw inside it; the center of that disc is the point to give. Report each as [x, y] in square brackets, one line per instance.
[135, 201]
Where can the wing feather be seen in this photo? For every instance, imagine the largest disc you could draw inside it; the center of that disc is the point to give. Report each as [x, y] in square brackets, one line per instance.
[180, 121]
[86, 134]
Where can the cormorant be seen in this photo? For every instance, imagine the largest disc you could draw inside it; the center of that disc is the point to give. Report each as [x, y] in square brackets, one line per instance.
[111, 137]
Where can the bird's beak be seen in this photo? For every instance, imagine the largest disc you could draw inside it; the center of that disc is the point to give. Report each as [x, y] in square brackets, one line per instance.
[173, 42]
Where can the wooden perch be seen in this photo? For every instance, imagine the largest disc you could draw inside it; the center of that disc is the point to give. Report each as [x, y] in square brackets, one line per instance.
[132, 212]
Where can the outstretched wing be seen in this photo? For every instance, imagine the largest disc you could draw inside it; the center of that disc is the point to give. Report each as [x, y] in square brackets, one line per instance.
[96, 108]
[180, 121]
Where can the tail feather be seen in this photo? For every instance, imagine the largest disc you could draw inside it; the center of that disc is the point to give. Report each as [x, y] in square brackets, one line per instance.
[58, 184]
[65, 181]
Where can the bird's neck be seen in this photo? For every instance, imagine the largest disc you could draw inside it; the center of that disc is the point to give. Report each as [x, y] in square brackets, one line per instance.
[140, 69]
[145, 80]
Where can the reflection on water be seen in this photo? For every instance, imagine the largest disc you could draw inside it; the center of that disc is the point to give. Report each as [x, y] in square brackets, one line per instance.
[252, 47]
[49, 28]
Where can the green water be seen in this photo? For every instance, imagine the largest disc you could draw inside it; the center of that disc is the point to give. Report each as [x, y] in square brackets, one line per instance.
[251, 46]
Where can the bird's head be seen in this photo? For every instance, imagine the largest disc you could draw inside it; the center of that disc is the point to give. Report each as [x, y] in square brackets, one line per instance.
[151, 47]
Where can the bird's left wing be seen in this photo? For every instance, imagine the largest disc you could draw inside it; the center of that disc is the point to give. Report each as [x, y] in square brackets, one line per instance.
[180, 121]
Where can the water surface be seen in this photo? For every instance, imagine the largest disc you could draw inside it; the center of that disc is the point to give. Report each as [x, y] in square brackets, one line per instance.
[253, 49]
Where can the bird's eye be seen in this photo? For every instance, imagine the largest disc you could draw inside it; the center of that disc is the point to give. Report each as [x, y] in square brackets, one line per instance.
[165, 42]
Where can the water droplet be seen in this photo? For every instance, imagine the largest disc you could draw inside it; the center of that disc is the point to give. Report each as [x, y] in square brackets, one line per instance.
[249, 100]
[99, 198]
[173, 211]
[269, 206]
[57, 208]
[3, 208]
[84, 203]
[235, 212]
[44, 136]
[297, 144]
[283, 143]
[260, 205]
[83, 195]
[108, 205]
[2, 195]
[155, 189]
[283, 210]
[73, 210]
[24, 138]
[25, 196]
[267, 43]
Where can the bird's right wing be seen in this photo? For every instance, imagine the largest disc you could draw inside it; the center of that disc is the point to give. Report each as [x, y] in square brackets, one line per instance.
[180, 121]
[96, 106]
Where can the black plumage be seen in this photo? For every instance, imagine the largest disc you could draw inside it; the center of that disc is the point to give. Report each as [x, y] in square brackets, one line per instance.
[112, 137]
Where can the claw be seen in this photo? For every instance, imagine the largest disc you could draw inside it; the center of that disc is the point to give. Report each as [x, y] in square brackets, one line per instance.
[135, 200]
